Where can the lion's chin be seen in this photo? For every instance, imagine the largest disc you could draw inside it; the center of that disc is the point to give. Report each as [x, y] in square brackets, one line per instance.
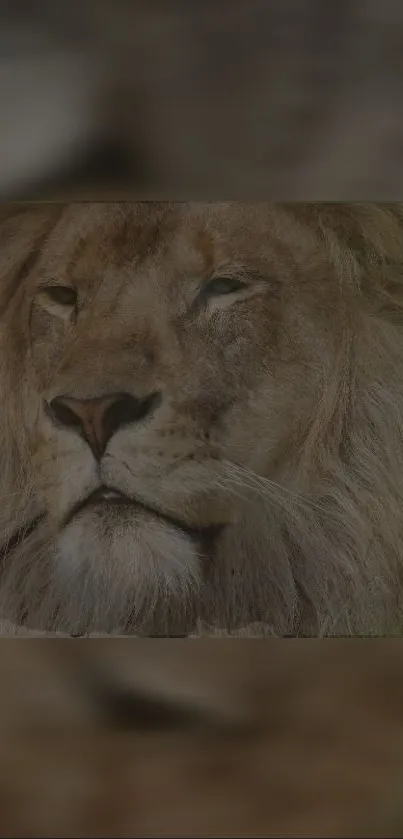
[111, 571]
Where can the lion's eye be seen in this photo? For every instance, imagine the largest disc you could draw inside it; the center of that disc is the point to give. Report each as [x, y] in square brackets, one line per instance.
[223, 285]
[62, 294]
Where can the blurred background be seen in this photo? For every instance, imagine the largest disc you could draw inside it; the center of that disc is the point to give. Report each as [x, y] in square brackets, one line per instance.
[289, 99]
[201, 737]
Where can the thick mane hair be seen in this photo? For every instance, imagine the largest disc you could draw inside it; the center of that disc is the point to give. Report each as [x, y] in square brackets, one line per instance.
[334, 526]
[344, 544]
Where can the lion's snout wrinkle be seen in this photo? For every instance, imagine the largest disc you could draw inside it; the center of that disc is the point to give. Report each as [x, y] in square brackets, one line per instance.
[98, 419]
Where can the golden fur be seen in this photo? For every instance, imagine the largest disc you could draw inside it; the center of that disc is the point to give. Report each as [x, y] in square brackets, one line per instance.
[280, 420]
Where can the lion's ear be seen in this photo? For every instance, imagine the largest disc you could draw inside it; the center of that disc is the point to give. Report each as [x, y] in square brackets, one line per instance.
[23, 231]
[373, 232]
[365, 244]
[377, 242]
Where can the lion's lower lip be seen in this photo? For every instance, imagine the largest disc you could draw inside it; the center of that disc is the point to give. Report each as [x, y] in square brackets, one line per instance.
[109, 496]
[102, 496]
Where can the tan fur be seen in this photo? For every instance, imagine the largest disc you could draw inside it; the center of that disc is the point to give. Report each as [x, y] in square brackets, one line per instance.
[291, 738]
[281, 417]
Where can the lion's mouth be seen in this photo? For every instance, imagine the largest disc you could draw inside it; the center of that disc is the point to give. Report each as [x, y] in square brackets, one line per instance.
[109, 497]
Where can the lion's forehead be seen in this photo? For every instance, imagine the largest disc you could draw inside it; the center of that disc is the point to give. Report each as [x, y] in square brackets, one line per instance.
[164, 243]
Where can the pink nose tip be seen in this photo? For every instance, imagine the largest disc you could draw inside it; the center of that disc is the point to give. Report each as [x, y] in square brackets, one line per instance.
[98, 419]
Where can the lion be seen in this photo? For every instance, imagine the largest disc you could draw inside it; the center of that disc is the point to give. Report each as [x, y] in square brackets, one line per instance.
[232, 738]
[202, 420]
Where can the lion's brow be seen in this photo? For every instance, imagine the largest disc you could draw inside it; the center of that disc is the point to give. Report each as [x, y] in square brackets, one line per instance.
[28, 263]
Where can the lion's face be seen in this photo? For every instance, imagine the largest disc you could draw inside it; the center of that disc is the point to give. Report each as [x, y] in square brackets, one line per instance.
[172, 351]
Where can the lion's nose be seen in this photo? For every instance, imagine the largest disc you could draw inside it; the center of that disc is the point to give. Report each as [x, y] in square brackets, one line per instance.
[98, 419]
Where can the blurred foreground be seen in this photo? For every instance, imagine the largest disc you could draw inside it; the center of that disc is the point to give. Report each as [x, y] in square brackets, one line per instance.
[189, 738]
[292, 99]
